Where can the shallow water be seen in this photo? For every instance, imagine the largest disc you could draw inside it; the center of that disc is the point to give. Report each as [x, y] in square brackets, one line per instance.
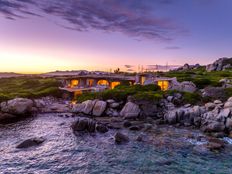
[166, 151]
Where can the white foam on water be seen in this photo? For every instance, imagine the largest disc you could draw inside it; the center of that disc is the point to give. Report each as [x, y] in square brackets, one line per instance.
[195, 142]
[228, 140]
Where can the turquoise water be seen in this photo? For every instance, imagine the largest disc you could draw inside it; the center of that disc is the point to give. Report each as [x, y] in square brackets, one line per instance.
[168, 151]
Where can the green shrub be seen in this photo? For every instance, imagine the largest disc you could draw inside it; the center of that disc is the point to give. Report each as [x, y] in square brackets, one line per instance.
[28, 87]
[50, 91]
[187, 97]
[202, 82]
[149, 96]
[86, 96]
[121, 92]
[228, 92]
[3, 97]
[152, 87]
[192, 98]
[118, 95]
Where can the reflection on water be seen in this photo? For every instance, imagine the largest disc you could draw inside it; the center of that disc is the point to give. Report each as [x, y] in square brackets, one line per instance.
[62, 152]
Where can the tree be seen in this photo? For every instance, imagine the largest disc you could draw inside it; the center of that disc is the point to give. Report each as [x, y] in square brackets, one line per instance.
[117, 71]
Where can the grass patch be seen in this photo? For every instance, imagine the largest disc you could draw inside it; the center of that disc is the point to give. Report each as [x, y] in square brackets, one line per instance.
[187, 97]
[121, 92]
[199, 76]
[28, 87]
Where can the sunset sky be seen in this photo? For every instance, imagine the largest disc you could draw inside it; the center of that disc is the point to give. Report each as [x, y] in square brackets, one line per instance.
[46, 35]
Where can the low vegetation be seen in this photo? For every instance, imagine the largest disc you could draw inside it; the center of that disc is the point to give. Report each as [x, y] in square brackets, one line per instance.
[28, 87]
[187, 97]
[138, 92]
[199, 76]
[121, 92]
[36, 87]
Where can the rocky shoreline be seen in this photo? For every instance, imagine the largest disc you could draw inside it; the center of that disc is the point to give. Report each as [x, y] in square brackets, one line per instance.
[213, 117]
[98, 116]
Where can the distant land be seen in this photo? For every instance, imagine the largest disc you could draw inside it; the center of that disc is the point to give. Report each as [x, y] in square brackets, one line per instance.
[127, 68]
[9, 74]
[218, 65]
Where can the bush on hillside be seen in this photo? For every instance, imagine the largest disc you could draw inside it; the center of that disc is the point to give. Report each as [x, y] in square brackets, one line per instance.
[121, 92]
[202, 83]
[187, 97]
[149, 96]
[28, 87]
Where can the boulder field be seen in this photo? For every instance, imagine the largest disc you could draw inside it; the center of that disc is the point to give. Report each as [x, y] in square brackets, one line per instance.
[16, 109]
[214, 118]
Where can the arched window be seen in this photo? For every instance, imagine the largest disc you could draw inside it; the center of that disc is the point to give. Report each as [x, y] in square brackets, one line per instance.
[114, 84]
[103, 83]
[74, 83]
[163, 85]
[90, 82]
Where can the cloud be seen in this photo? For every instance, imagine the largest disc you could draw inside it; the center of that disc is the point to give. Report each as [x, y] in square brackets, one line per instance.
[134, 18]
[129, 66]
[172, 48]
[13, 9]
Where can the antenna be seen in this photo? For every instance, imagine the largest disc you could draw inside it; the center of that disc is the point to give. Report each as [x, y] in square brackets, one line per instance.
[166, 66]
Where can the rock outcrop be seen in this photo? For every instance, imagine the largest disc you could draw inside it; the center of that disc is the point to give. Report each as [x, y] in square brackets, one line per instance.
[85, 107]
[215, 93]
[17, 106]
[99, 108]
[16, 109]
[120, 138]
[7, 118]
[187, 67]
[84, 124]
[211, 118]
[186, 86]
[30, 143]
[88, 125]
[130, 110]
[88, 106]
[220, 65]
[226, 83]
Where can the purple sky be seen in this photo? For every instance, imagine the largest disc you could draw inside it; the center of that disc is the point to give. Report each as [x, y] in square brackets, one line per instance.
[46, 35]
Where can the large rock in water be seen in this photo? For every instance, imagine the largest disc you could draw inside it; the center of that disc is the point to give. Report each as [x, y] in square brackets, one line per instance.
[214, 126]
[31, 142]
[101, 128]
[89, 125]
[120, 138]
[228, 104]
[99, 108]
[7, 118]
[171, 117]
[84, 124]
[18, 106]
[85, 107]
[78, 108]
[130, 110]
[89, 104]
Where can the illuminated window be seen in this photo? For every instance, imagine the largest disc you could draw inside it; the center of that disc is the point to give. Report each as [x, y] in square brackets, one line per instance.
[143, 80]
[163, 85]
[90, 82]
[114, 84]
[74, 83]
[76, 93]
[103, 82]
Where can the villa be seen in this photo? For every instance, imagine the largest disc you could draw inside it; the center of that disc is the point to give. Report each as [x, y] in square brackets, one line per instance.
[78, 84]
